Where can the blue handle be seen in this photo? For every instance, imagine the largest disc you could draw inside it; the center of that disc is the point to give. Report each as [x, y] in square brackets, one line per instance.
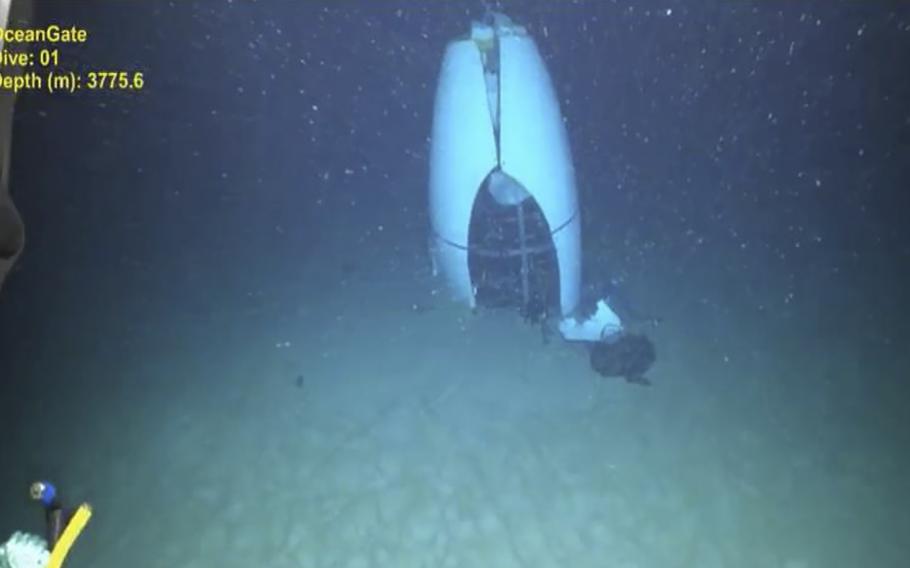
[46, 492]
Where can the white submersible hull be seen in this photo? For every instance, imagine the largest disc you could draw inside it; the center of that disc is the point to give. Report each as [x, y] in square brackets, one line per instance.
[502, 185]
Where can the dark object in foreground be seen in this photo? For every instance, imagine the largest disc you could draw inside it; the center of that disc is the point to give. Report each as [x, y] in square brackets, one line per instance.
[629, 356]
[63, 525]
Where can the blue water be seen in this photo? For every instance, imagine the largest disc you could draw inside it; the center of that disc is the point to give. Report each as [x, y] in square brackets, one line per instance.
[258, 214]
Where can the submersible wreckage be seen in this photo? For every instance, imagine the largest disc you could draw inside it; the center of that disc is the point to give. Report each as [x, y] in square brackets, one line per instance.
[504, 212]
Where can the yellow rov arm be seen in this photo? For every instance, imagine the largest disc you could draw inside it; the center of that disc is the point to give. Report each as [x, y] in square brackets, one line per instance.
[70, 534]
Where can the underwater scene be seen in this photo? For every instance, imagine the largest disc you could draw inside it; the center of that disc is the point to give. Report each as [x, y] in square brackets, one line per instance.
[454, 284]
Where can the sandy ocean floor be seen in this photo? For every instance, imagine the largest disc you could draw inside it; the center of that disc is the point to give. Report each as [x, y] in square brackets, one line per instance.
[431, 437]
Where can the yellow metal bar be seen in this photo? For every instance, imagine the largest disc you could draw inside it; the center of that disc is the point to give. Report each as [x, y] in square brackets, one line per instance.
[70, 534]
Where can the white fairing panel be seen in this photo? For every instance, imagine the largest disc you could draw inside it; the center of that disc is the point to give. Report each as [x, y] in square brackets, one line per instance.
[535, 151]
[463, 153]
[532, 149]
